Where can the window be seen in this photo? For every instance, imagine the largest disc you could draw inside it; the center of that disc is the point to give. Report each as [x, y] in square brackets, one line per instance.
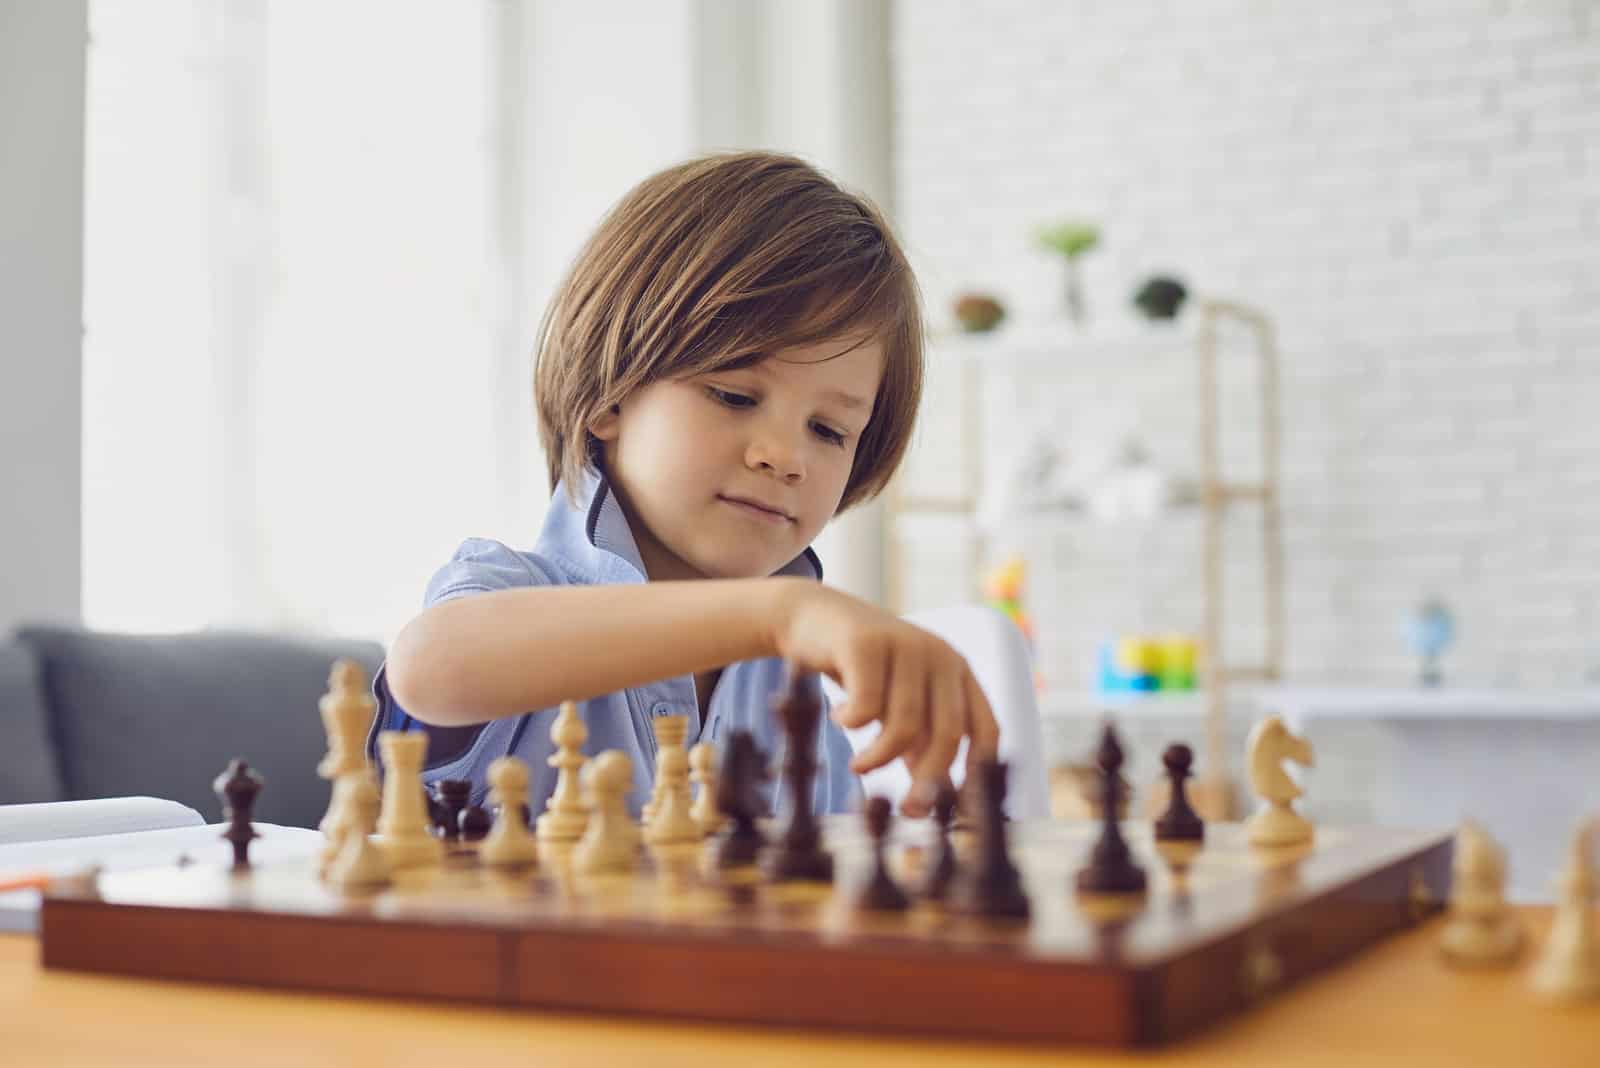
[300, 389]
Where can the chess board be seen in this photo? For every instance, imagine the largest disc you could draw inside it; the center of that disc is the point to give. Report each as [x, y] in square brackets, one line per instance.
[1221, 927]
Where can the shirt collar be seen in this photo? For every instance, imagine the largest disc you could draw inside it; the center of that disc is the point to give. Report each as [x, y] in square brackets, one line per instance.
[597, 529]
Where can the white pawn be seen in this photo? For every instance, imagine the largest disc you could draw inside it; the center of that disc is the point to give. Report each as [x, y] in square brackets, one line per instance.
[671, 732]
[403, 823]
[1569, 965]
[1276, 823]
[564, 817]
[611, 841]
[702, 770]
[509, 844]
[1481, 929]
[359, 865]
[673, 823]
[354, 806]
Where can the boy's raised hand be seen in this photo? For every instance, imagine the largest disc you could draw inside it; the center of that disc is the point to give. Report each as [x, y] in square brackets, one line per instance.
[913, 681]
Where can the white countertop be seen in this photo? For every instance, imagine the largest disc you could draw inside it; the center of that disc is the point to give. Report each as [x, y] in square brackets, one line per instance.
[1419, 703]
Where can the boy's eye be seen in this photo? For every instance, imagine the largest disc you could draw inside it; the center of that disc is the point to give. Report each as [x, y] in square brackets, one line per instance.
[729, 399]
[827, 433]
[732, 400]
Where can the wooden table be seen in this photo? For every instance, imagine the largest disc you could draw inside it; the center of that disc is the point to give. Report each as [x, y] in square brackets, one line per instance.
[1395, 1005]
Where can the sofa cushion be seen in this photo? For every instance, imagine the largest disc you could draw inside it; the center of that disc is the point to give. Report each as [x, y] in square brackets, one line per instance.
[162, 715]
[28, 771]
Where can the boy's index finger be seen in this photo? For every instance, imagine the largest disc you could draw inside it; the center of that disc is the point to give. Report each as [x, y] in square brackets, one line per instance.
[862, 677]
[982, 732]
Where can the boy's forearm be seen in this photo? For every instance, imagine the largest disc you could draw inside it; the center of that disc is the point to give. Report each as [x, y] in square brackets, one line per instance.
[500, 654]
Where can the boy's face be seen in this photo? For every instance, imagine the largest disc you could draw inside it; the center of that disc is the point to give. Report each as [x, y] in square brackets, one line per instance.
[731, 474]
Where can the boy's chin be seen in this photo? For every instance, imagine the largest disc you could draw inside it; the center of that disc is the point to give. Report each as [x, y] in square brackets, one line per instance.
[741, 567]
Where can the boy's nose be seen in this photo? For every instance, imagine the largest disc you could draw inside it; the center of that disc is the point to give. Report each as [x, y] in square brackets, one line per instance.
[769, 453]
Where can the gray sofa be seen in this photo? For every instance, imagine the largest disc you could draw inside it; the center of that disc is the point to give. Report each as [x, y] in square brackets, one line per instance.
[85, 714]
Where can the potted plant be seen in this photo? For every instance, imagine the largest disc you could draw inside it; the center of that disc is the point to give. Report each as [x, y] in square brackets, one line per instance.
[1071, 239]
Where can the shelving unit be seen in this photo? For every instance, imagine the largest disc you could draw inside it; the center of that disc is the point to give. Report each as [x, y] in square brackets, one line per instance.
[1219, 494]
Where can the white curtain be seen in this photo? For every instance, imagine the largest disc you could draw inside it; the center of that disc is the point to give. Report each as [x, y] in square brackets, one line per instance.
[302, 381]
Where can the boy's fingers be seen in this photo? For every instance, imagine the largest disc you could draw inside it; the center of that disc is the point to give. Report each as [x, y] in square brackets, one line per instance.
[893, 740]
[911, 803]
[864, 681]
[946, 726]
[900, 720]
[851, 713]
[983, 732]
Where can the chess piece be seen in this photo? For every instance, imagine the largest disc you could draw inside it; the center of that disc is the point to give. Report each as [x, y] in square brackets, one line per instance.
[610, 842]
[473, 824]
[358, 864]
[702, 772]
[237, 788]
[744, 769]
[1481, 928]
[1569, 964]
[881, 893]
[1180, 822]
[672, 823]
[346, 708]
[1276, 823]
[509, 844]
[798, 853]
[1075, 792]
[943, 870]
[524, 813]
[992, 887]
[450, 797]
[354, 805]
[671, 732]
[565, 816]
[1111, 869]
[403, 821]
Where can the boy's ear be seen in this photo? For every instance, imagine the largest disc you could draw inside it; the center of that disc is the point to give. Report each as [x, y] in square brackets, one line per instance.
[604, 426]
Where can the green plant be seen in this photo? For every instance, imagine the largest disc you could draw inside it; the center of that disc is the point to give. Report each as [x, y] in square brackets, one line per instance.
[1070, 238]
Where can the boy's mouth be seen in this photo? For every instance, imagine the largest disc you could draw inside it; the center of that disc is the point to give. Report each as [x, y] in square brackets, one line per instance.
[770, 513]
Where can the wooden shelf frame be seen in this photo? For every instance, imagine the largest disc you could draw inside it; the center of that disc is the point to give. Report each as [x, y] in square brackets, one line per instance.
[1219, 495]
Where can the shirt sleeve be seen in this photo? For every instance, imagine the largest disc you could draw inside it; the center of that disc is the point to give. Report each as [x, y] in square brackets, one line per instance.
[479, 565]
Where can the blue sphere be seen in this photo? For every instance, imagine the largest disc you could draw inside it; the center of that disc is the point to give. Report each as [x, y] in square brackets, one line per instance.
[1431, 630]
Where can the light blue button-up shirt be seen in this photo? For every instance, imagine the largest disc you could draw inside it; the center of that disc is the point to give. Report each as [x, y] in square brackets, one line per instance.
[591, 545]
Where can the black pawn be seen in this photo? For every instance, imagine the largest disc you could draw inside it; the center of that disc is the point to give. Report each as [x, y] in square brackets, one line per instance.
[798, 853]
[943, 871]
[1180, 822]
[450, 797]
[993, 887]
[237, 788]
[744, 769]
[1111, 869]
[881, 893]
[473, 823]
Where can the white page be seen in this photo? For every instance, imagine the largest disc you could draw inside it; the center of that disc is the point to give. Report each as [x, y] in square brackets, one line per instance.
[19, 909]
[101, 816]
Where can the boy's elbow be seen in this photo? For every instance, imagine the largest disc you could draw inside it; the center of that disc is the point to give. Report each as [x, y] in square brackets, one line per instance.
[410, 682]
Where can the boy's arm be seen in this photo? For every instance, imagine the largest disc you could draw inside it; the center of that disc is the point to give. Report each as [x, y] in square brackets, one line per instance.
[504, 653]
[497, 654]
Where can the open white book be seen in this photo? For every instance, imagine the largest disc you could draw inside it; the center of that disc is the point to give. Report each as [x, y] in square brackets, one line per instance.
[101, 816]
[118, 834]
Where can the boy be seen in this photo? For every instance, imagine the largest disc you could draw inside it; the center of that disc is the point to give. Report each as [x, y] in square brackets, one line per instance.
[734, 358]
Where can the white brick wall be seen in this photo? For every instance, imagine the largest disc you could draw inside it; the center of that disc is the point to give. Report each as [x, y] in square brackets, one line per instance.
[1411, 191]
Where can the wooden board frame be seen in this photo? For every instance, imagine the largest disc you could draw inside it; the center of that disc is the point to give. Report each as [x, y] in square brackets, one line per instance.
[1114, 972]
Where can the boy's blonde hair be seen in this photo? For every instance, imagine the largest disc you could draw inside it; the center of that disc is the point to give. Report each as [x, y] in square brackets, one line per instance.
[718, 263]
